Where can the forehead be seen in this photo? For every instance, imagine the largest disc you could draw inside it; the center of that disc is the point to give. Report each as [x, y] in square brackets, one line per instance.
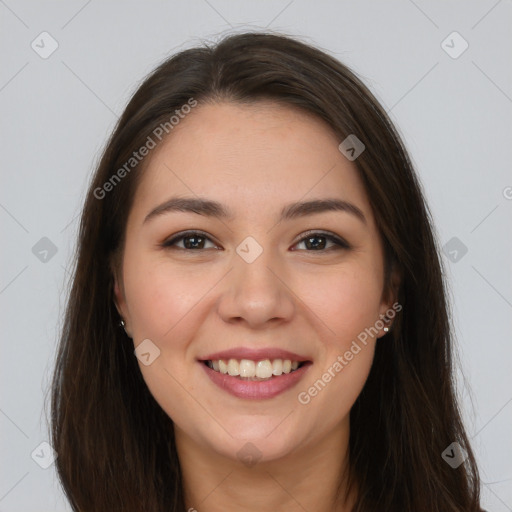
[251, 157]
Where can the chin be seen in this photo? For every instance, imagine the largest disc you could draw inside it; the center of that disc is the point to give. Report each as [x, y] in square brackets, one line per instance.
[252, 450]
[254, 438]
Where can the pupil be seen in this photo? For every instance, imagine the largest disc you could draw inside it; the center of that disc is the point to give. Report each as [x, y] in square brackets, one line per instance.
[316, 245]
[189, 245]
[191, 241]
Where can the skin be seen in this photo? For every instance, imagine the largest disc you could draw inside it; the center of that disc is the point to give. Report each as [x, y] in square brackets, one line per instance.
[253, 159]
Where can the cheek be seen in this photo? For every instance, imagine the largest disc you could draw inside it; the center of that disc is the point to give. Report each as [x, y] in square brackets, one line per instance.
[333, 391]
[346, 301]
[160, 296]
[164, 301]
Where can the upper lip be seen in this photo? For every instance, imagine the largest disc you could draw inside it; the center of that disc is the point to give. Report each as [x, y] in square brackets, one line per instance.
[259, 354]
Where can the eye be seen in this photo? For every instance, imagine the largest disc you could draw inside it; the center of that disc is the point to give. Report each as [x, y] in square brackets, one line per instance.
[318, 240]
[193, 240]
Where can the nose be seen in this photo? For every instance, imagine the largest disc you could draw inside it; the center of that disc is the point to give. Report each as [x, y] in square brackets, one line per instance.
[257, 293]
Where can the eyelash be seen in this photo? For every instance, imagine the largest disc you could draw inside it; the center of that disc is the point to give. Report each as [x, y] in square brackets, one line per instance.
[339, 242]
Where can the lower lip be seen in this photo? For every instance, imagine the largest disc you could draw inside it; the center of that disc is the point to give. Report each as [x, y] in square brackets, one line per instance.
[256, 390]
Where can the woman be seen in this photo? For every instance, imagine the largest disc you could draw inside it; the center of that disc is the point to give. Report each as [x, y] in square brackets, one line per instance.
[258, 318]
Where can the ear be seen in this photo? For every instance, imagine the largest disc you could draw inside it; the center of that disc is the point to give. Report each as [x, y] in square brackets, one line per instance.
[119, 297]
[389, 301]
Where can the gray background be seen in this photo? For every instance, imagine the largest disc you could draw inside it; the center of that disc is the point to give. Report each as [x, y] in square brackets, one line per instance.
[454, 114]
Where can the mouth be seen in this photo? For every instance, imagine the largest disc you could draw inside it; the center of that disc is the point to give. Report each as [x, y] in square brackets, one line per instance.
[257, 378]
[254, 371]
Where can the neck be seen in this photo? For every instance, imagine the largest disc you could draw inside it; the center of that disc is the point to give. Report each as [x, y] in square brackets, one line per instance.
[307, 479]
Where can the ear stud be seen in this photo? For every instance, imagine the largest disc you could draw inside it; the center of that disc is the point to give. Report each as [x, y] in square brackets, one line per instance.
[123, 325]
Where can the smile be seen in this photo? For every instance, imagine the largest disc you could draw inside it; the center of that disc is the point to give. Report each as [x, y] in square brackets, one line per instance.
[255, 379]
[253, 370]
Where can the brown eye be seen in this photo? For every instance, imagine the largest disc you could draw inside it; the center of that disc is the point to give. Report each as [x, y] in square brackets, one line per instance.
[192, 240]
[316, 242]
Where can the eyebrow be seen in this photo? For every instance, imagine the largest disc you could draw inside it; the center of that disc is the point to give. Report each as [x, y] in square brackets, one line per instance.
[210, 208]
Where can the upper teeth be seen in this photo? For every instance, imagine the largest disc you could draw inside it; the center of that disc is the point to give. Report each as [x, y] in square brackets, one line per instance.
[247, 368]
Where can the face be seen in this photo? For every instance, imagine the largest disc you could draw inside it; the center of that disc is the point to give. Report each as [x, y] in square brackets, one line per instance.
[250, 285]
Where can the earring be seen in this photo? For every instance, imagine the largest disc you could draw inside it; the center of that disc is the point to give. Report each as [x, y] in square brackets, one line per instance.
[386, 328]
[123, 325]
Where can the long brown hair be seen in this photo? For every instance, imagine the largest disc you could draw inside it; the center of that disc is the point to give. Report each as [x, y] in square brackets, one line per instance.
[115, 444]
